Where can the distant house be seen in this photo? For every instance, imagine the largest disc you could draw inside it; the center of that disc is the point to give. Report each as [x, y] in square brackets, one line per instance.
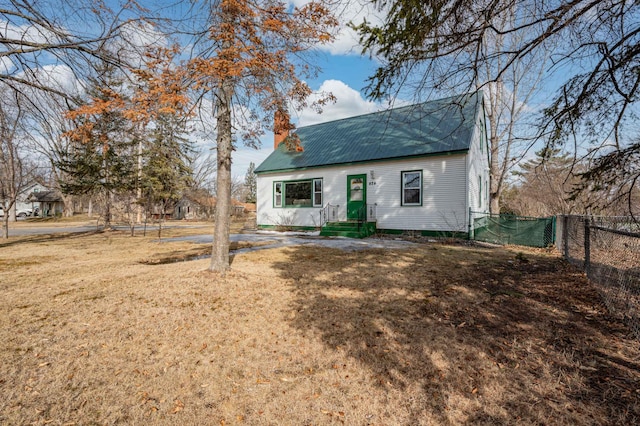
[23, 205]
[203, 207]
[418, 168]
[46, 202]
[192, 207]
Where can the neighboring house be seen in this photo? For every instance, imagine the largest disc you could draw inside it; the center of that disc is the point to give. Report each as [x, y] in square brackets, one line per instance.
[417, 168]
[203, 207]
[22, 205]
[47, 202]
[192, 207]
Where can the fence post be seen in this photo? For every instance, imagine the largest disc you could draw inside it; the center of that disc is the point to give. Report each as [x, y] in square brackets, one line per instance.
[587, 246]
[470, 225]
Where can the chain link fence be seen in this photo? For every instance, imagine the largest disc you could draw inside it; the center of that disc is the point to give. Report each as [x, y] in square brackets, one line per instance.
[608, 250]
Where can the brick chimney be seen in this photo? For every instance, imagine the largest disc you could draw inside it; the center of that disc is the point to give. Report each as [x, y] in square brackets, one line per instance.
[281, 127]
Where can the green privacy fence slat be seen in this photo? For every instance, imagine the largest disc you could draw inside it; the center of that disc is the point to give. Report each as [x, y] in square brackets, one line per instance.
[518, 230]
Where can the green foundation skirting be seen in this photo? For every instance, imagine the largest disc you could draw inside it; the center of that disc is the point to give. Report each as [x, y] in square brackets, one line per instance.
[288, 228]
[435, 234]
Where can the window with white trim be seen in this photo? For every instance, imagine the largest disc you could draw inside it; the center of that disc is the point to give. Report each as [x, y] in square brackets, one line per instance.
[277, 194]
[300, 193]
[317, 193]
[412, 188]
[486, 190]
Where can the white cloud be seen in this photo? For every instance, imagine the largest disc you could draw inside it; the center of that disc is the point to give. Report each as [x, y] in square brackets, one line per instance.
[6, 65]
[136, 37]
[26, 33]
[349, 103]
[59, 77]
[355, 11]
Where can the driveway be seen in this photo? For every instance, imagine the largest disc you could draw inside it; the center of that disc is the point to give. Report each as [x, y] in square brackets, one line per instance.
[283, 239]
[277, 239]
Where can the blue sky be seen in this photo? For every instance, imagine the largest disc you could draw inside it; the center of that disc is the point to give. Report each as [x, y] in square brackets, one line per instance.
[345, 77]
[344, 73]
[343, 70]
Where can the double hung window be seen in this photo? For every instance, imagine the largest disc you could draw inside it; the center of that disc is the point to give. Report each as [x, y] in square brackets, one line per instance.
[412, 188]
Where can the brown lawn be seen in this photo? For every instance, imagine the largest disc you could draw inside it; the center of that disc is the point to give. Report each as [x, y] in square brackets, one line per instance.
[98, 329]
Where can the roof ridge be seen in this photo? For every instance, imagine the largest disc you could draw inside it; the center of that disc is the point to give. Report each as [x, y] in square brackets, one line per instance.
[387, 110]
[439, 126]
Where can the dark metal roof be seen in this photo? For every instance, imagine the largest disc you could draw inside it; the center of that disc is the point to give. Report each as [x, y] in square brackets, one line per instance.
[44, 196]
[435, 127]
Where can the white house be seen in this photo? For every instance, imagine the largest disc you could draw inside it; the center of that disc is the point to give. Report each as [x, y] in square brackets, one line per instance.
[23, 205]
[420, 168]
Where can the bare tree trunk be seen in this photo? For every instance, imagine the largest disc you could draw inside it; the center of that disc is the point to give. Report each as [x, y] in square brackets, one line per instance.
[6, 207]
[220, 253]
[68, 205]
[107, 211]
[138, 184]
[5, 226]
[163, 206]
[496, 169]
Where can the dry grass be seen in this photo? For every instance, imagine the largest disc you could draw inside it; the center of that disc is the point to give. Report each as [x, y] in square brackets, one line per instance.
[441, 334]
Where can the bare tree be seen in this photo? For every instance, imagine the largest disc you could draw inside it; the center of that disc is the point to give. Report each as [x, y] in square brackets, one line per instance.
[14, 171]
[48, 50]
[37, 38]
[203, 165]
[508, 95]
[593, 46]
[45, 117]
[250, 53]
[544, 187]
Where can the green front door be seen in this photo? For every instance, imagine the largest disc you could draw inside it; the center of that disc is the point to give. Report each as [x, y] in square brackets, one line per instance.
[356, 195]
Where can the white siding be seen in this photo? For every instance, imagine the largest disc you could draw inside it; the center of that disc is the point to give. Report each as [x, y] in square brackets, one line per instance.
[478, 169]
[444, 198]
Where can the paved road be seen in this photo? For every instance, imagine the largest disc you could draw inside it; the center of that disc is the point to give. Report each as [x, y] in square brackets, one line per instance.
[18, 232]
[61, 229]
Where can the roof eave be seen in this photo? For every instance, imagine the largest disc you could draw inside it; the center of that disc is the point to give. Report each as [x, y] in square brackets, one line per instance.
[377, 160]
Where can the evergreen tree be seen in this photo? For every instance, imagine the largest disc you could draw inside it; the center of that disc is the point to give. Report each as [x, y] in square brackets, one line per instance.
[546, 186]
[250, 183]
[100, 160]
[166, 173]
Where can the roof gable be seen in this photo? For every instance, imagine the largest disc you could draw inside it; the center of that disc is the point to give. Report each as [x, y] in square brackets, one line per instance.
[434, 127]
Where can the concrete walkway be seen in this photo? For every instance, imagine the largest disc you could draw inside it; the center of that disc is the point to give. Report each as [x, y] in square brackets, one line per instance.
[275, 239]
[283, 239]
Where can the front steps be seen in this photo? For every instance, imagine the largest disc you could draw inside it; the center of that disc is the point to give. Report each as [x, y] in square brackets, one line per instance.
[348, 229]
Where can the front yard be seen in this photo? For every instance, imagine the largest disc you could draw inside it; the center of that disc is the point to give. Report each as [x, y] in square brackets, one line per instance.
[101, 329]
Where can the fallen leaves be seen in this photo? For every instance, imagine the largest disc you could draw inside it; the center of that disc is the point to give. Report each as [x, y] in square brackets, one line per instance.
[177, 407]
[338, 415]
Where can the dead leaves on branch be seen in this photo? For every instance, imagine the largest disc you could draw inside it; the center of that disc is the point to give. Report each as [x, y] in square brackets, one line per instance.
[251, 44]
[161, 88]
